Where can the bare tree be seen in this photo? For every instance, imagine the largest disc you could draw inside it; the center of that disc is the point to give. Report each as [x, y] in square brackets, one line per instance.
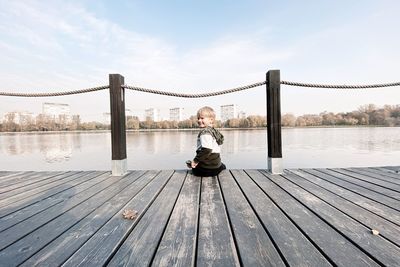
[288, 120]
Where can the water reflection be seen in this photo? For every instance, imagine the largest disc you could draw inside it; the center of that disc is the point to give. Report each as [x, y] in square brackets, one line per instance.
[364, 139]
[160, 149]
[56, 148]
[307, 147]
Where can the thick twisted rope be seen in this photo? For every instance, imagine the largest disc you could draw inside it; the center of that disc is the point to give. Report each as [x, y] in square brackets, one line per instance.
[340, 86]
[228, 91]
[56, 93]
[153, 91]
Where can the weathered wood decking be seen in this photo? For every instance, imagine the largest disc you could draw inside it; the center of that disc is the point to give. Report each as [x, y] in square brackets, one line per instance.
[307, 217]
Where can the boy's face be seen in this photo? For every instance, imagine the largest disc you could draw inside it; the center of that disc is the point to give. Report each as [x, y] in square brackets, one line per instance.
[204, 121]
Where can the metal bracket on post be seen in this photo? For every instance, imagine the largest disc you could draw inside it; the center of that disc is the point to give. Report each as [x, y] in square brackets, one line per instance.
[118, 134]
[274, 122]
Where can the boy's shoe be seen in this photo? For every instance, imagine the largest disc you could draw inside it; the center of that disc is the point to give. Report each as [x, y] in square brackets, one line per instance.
[189, 164]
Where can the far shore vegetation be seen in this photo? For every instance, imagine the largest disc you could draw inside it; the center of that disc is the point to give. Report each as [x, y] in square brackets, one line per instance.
[367, 115]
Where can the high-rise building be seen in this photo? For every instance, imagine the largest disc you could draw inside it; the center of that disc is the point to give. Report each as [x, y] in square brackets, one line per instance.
[228, 112]
[57, 111]
[152, 114]
[242, 115]
[128, 112]
[176, 114]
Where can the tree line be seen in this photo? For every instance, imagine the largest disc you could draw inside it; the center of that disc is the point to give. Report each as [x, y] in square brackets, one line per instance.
[388, 115]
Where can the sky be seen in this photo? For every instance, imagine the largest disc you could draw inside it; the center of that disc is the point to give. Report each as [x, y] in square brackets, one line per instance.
[198, 47]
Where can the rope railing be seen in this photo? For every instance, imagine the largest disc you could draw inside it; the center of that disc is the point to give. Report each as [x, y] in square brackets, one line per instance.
[186, 95]
[227, 91]
[73, 92]
[329, 86]
[117, 89]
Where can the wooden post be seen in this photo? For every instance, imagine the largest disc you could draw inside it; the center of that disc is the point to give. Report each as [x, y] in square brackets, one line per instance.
[274, 122]
[118, 134]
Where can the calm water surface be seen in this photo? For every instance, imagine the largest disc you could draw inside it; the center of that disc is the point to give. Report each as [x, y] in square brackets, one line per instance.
[302, 147]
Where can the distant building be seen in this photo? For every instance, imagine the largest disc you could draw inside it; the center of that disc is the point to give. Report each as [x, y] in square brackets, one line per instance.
[76, 119]
[176, 114]
[107, 116]
[152, 114]
[128, 112]
[57, 111]
[19, 117]
[242, 115]
[228, 112]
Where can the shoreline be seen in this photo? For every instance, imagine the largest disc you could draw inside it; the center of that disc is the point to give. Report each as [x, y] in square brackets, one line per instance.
[196, 129]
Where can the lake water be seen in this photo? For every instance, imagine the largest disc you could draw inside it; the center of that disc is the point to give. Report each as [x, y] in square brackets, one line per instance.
[302, 148]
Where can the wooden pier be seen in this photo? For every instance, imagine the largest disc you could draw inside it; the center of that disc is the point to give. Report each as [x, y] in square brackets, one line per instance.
[304, 217]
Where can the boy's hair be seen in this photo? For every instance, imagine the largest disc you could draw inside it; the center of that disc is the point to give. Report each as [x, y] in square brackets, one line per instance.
[207, 112]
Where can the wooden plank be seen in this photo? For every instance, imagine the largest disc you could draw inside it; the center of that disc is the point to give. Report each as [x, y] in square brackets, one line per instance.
[379, 248]
[215, 245]
[388, 230]
[139, 247]
[22, 249]
[372, 180]
[12, 205]
[387, 177]
[40, 192]
[37, 204]
[60, 249]
[19, 230]
[377, 193]
[26, 178]
[40, 186]
[5, 173]
[31, 179]
[253, 242]
[12, 176]
[178, 244]
[395, 169]
[384, 172]
[103, 245]
[367, 203]
[292, 243]
[338, 248]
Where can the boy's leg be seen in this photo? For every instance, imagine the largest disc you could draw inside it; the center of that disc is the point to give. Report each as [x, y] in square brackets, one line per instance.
[198, 171]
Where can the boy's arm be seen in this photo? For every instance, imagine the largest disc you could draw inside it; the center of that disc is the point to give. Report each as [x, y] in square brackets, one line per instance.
[205, 149]
[202, 154]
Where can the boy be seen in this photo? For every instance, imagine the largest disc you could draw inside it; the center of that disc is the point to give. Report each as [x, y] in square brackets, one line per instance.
[207, 161]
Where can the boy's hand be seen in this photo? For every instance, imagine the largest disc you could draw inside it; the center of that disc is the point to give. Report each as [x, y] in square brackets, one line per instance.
[194, 164]
[191, 164]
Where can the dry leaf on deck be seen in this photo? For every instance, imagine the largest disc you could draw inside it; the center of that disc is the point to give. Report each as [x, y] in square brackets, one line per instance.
[130, 214]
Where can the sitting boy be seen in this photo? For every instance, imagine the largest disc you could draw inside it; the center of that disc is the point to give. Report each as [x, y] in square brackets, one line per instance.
[207, 161]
